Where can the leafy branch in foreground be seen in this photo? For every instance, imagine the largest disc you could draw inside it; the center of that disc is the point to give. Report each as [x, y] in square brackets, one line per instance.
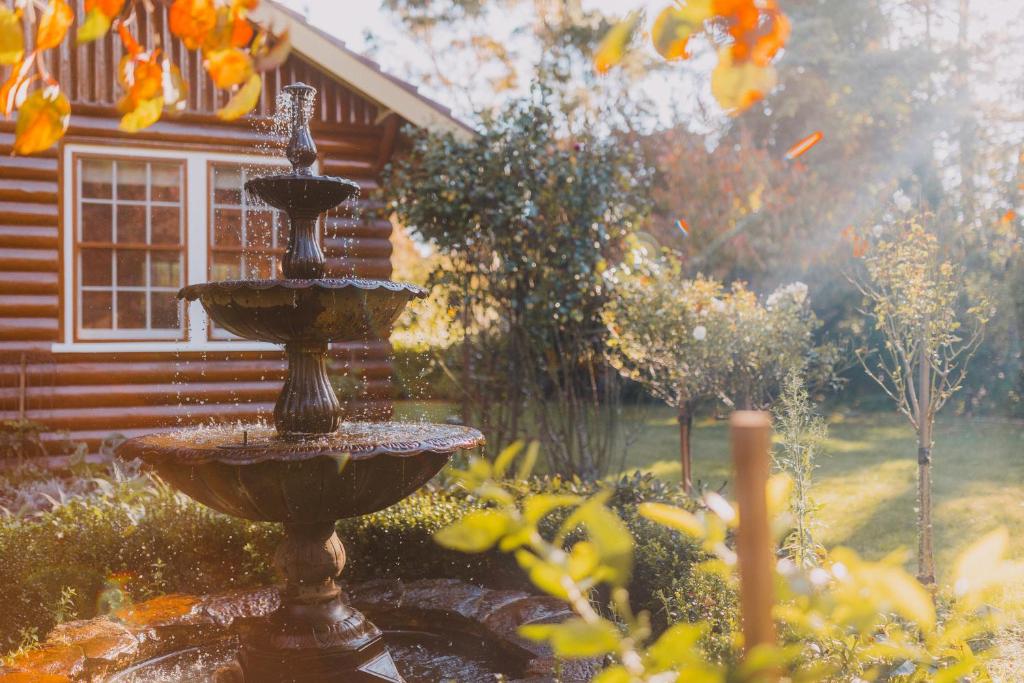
[847, 618]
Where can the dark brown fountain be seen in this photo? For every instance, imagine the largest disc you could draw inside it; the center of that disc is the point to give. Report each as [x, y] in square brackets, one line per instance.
[311, 468]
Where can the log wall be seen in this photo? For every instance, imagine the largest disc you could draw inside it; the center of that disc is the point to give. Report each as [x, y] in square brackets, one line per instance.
[86, 397]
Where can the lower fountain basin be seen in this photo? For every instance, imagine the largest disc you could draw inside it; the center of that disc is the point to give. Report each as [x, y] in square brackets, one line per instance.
[248, 471]
[436, 630]
[310, 311]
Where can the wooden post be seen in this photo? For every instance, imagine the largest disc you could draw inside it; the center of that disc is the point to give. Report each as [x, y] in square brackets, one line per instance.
[751, 441]
[925, 554]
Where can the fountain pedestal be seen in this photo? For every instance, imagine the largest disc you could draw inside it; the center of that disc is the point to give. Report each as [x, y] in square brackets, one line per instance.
[312, 469]
[315, 634]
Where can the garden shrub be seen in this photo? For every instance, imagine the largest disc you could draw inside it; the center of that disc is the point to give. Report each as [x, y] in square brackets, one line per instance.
[133, 539]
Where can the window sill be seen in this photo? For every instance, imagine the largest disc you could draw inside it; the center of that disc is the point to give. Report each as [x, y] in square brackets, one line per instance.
[162, 347]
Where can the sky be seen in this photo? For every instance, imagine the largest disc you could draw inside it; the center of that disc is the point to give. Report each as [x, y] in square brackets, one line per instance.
[353, 20]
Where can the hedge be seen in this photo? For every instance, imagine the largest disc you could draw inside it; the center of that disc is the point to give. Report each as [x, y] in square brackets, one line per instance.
[138, 540]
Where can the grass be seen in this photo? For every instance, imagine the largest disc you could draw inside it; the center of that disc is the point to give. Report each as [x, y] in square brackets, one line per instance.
[866, 480]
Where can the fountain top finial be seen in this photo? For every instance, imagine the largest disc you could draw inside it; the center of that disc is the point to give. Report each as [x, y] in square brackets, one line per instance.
[301, 149]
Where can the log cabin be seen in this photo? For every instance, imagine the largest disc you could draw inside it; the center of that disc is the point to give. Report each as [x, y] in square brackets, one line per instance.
[98, 234]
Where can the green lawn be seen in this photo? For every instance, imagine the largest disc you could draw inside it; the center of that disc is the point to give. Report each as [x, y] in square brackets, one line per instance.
[866, 481]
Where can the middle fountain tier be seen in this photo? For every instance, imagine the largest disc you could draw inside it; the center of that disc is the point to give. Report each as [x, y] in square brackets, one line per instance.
[311, 468]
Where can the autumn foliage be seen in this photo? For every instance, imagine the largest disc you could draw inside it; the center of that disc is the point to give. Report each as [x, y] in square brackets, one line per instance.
[235, 51]
[747, 35]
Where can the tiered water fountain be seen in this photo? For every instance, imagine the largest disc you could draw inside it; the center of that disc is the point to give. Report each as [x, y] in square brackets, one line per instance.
[311, 468]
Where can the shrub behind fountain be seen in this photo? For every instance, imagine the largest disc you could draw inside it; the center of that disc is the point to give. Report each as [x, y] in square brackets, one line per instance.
[311, 469]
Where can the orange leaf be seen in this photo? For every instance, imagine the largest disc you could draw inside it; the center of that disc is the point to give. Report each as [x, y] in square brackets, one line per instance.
[802, 146]
[228, 67]
[111, 8]
[54, 24]
[769, 41]
[243, 101]
[130, 44]
[192, 21]
[241, 31]
[42, 120]
[143, 78]
[13, 91]
[1009, 216]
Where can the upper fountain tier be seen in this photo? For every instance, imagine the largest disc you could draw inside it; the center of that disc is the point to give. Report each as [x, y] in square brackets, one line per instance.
[305, 307]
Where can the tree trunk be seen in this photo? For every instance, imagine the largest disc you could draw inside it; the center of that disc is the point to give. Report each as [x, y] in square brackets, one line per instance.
[685, 419]
[925, 557]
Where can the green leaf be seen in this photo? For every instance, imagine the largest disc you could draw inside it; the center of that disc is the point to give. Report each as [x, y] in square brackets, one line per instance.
[536, 507]
[95, 26]
[612, 540]
[529, 462]
[505, 458]
[673, 517]
[677, 645]
[613, 674]
[547, 577]
[476, 532]
[576, 638]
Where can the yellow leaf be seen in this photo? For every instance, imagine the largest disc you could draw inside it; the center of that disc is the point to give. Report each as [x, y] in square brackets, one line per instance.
[673, 517]
[505, 458]
[42, 120]
[777, 493]
[673, 27]
[611, 539]
[980, 562]
[738, 86]
[228, 67]
[14, 89]
[613, 46]
[12, 40]
[53, 24]
[95, 26]
[614, 674]
[529, 461]
[145, 114]
[243, 101]
[537, 506]
[476, 532]
[576, 638]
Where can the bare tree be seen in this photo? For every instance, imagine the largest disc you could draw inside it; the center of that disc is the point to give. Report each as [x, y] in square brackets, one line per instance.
[930, 327]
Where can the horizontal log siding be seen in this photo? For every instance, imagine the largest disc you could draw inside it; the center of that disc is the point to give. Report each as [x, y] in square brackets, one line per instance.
[86, 397]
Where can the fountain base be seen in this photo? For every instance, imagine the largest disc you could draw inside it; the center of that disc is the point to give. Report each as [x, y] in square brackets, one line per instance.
[304, 643]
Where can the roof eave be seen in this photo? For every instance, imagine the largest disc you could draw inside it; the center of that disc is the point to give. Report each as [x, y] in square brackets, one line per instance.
[331, 55]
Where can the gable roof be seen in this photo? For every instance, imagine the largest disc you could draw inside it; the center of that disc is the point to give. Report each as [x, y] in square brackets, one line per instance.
[360, 73]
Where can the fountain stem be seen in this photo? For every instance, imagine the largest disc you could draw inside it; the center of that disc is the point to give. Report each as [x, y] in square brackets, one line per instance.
[307, 404]
[310, 558]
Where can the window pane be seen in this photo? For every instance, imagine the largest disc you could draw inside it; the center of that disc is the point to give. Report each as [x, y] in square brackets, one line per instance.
[225, 267]
[97, 178]
[97, 222]
[131, 180]
[131, 224]
[131, 267]
[166, 310]
[166, 269]
[259, 230]
[96, 310]
[258, 266]
[97, 267]
[227, 227]
[166, 182]
[227, 185]
[166, 225]
[131, 310]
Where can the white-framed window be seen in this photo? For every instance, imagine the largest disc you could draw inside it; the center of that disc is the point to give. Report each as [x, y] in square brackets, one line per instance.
[138, 224]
